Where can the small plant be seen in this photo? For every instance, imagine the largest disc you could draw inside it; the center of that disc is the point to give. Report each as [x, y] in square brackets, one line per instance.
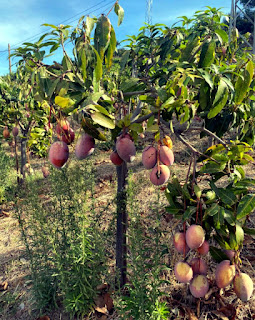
[65, 253]
[140, 298]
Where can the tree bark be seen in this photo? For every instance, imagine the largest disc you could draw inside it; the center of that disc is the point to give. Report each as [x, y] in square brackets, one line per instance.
[121, 239]
[23, 150]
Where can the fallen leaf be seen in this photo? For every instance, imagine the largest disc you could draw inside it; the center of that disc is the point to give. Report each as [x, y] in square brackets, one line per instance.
[43, 318]
[103, 286]
[229, 311]
[101, 310]
[4, 285]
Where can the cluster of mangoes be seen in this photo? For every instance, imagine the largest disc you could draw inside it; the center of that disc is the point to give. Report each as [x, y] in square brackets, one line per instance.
[195, 271]
[59, 151]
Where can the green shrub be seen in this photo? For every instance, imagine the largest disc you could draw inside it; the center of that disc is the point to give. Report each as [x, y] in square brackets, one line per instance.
[64, 250]
[145, 264]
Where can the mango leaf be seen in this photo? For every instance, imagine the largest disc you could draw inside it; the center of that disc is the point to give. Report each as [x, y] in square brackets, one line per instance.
[129, 85]
[246, 183]
[222, 35]
[245, 206]
[229, 217]
[172, 210]
[136, 127]
[99, 67]
[188, 213]
[52, 88]
[220, 100]
[213, 167]
[243, 83]
[124, 59]
[217, 254]
[218, 218]
[111, 49]
[102, 35]
[120, 13]
[204, 95]
[90, 22]
[226, 196]
[64, 102]
[103, 120]
[207, 77]
[82, 59]
[249, 231]
[90, 129]
[207, 54]
[239, 234]
[190, 49]
[100, 109]
[213, 210]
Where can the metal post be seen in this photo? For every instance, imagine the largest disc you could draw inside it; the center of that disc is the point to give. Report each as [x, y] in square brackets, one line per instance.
[9, 57]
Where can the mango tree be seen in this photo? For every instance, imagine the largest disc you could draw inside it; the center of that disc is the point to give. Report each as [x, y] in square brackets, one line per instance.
[162, 80]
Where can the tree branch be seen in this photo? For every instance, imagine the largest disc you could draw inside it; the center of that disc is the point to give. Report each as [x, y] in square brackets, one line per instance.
[209, 133]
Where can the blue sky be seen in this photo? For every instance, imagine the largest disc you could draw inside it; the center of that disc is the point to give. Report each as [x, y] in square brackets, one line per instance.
[21, 21]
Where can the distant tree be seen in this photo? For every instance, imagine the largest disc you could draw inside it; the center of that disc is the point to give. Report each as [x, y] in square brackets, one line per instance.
[250, 4]
[244, 24]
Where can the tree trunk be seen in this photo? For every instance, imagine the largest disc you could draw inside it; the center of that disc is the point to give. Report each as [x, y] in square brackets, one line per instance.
[23, 150]
[16, 158]
[121, 240]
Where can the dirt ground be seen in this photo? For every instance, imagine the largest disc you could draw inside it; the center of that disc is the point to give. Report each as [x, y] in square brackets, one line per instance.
[14, 268]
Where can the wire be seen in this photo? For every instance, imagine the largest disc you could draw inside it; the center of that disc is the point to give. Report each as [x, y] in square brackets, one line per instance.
[78, 14]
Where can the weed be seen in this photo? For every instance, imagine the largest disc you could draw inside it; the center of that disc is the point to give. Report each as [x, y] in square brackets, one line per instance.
[64, 251]
[145, 266]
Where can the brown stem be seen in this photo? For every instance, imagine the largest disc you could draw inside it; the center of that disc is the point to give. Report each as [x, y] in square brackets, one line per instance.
[16, 158]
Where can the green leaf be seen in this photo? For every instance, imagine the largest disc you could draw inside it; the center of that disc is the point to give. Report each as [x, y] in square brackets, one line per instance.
[222, 35]
[204, 95]
[99, 67]
[120, 13]
[217, 254]
[229, 217]
[246, 183]
[124, 59]
[103, 120]
[190, 50]
[245, 206]
[207, 77]
[213, 167]
[90, 22]
[249, 231]
[129, 85]
[213, 210]
[172, 210]
[89, 128]
[63, 102]
[136, 127]
[102, 35]
[220, 100]
[82, 59]
[188, 213]
[111, 49]
[226, 196]
[218, 218]
[207, 54]
[239, 235]
[243, 83]
[52, 88]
